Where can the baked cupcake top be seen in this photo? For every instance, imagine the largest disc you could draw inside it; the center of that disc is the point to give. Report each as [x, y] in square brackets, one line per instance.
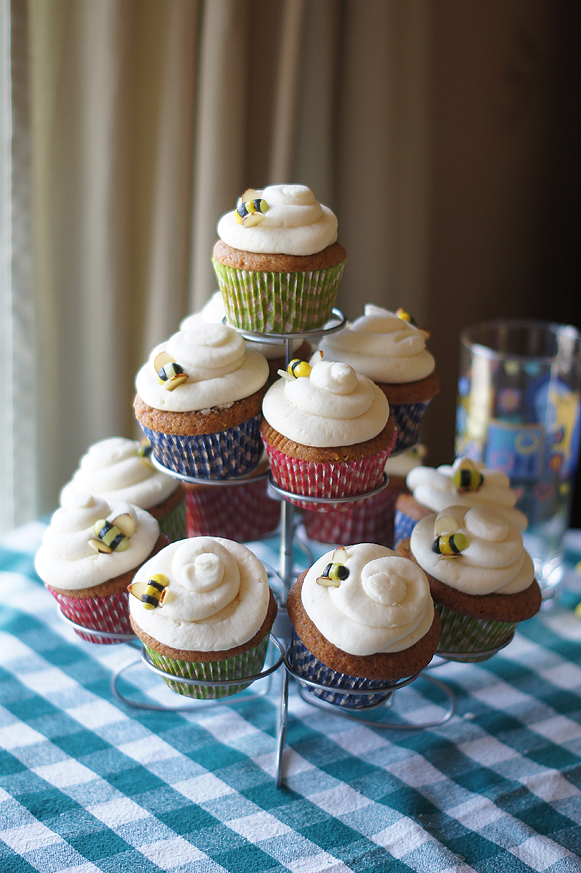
[206, 366]
[117, 468]
[473, 549]
[90, 541]
[465, 483]
[366, 599]
[381, 345]
[332, 405]
[279, 219]
[216, 595]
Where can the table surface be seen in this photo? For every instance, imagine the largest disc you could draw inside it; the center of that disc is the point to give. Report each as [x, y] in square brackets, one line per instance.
[90, 783]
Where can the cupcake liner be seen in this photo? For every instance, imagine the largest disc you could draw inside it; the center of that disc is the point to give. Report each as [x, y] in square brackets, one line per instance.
[465, 634]
[278, 302]
[407, 418]
[248, 663]
[403, 526]
[241, 512]
[110, 614]
[370, 522]
[222, 455]
[337, 480]
[173, 524]
[305, 664]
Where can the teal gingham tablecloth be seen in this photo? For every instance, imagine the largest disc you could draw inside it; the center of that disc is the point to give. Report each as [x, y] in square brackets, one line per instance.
[88, 783]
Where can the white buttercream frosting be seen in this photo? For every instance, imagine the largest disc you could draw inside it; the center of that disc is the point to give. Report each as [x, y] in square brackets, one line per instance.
[294, 224]
[435, 489]
[66, 559]
[214, 312]
[220, 369]
[384, 604]
[113, 469]
[382, 346]
[333, 406]
[494, 560]
[217, 596]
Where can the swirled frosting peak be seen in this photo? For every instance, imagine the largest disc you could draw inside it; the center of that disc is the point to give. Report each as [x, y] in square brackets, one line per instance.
[493, 561]
[382, 346]
[294, 224]
[67, 558]
[439, 487]
[116, 469]
[216, 598]
[381, 604]
[332, 406]
[219, 366]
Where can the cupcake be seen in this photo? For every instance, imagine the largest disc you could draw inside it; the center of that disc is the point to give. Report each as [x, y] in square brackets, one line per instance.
[327, 433]
[89, 554]
[481, 578]
[362, 619]
[274, 353]
[373, 520]
[117, 468]
[199, 402]
[464, 483]
[387, 348]
[277, 260]
[203, 610]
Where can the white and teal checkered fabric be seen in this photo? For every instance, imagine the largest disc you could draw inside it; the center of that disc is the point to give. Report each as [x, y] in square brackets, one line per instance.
[90, 784]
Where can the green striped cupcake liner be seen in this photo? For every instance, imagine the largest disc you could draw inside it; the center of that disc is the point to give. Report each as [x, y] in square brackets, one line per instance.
[471, 639]
[278, 302]
[248, 663]
[173, 525]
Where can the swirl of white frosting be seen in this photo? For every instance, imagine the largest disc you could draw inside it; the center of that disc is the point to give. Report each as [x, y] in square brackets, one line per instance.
[66, 559]
[220, 369]
[333, 406]
[217, 596]
[435, 489]
[214, 312]
[384, 604]
[295, 224]
[112, 469]
[382, 346]
[494, 560]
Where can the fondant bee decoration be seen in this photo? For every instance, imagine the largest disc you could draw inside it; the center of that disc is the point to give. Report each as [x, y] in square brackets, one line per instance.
[405, 316]
[467, 477]
[112, 535]
[144, 453]
[151, 593]
[299, 368]
[169, 372]
[450, 545]
[250, 209]
[335, 571]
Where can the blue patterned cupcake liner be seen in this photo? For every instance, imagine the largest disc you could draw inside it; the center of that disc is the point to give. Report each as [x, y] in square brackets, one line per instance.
[407, 418]
[305, 664]
[222, 455]
[403, 526]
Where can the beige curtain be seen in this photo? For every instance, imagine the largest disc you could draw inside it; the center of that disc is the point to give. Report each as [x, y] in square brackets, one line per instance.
[424, 124]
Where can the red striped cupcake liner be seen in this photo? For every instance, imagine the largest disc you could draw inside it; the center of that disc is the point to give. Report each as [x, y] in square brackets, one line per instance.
[109, 614]
[370, 522]
[236, 512]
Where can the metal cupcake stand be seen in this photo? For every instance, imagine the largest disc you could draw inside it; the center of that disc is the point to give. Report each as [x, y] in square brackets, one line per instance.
[311, 692]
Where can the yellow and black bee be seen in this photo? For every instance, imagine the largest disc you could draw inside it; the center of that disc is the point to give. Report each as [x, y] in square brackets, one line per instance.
[467, 478]
[169, 372]
[405, 316]
[151, 593]
[450, 545]
[112, 535]
[250, 209]
[335, 571]
[144, 453]
[299, 368]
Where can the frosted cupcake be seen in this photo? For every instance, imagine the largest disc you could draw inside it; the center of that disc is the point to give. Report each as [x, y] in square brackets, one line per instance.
[481, 578]
[117, 468]
[362, 619]
[203, 610]
[199, 402]
[89, 554]
[390, 350]
[464, 483]
[277, 260]
[327, 433]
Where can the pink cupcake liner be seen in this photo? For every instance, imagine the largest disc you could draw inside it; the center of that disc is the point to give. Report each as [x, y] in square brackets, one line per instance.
[370, 522]
[237, 512]
[109, 614]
